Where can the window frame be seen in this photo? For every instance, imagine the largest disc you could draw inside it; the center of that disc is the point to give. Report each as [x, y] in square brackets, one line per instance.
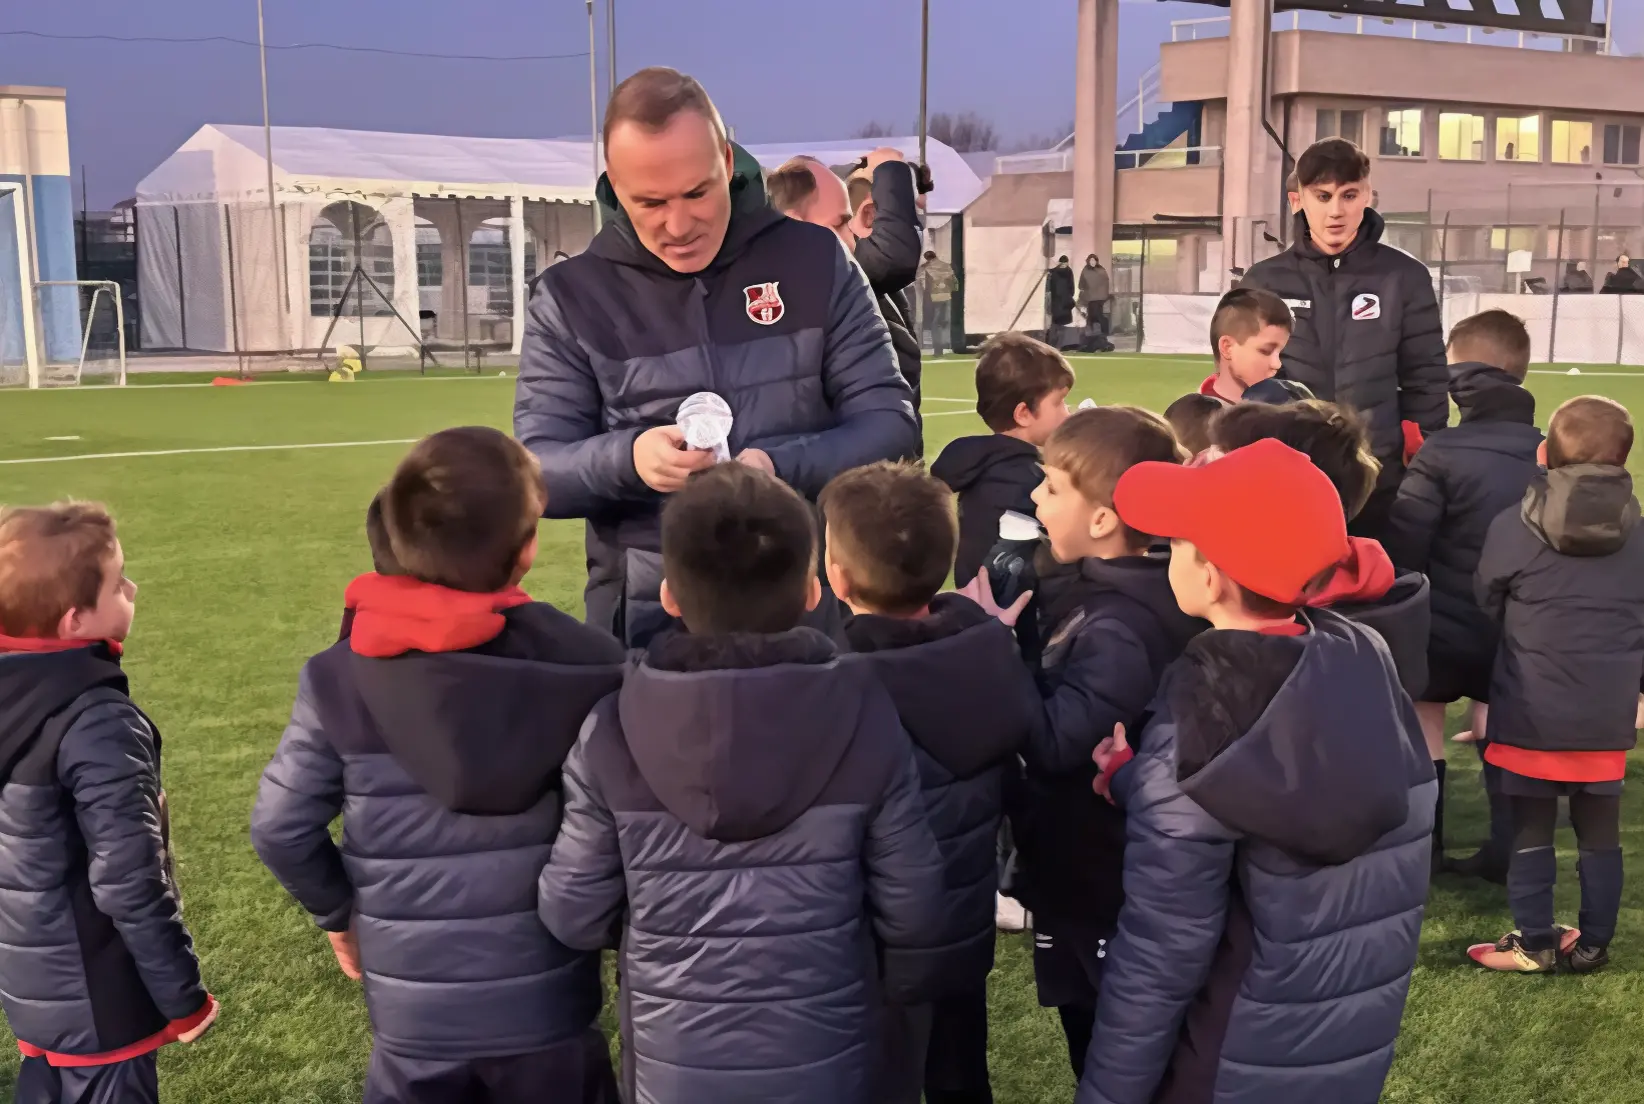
[1638, 144]
[1420, 151]
[1481, 142]
[1518, 121]
[1552, 143]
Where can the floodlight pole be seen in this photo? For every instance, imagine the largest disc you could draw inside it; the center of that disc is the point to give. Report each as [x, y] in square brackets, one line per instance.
[268, 165]
[593, 106]
[924, 78]
[610, 49]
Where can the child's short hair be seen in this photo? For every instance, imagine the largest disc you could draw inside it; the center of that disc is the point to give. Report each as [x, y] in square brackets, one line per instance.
[1095, 447]
[1495, 337]
[892, 527]
[1332, 161]
[738, 551]
[1189, 417]
[1245, 312]
[1333, 437]
[376, 537]
[461, 507]
[52, 560]
[1589, 429]
[1012, 369]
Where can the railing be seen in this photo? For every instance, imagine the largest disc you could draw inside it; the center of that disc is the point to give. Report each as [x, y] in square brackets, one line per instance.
[1188, 30]
[1061, 160]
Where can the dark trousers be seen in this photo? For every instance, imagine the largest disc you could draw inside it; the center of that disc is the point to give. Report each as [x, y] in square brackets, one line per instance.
[133, 1081]
[1067, 968]
[1534, 868]
[956, 1063]
[574, 1072]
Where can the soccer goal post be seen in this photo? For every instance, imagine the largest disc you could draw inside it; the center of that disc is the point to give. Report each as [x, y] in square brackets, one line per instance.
[102, 333]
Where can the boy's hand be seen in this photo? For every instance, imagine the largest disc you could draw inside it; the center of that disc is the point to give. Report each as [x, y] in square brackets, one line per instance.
[346, 946]
[980, 591]
[1467, 737]
[204, 1025]
[1111, 754]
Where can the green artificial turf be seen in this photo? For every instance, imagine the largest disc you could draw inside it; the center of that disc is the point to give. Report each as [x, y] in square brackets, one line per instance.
[242, 557]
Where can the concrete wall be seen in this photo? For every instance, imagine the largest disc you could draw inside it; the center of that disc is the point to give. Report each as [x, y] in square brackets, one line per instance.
[34, 152]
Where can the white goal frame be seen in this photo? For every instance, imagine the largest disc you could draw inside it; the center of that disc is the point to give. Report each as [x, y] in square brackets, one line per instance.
[25, 279]
[112, 288]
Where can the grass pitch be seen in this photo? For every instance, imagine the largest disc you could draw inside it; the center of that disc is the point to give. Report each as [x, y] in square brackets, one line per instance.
[242, 548]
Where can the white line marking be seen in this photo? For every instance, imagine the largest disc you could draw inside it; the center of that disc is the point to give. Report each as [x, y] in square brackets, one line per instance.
[1584, 372]
[249, 383]
[944, 398]
[949, 413]
[71, 437]
[223, 448]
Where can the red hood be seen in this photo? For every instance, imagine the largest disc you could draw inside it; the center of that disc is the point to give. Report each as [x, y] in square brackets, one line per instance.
[1365, 575]
[1208, 387]
[52, 644]
[395, 614]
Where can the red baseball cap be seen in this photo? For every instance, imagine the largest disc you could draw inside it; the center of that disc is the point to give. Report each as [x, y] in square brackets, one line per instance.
[1264, 514]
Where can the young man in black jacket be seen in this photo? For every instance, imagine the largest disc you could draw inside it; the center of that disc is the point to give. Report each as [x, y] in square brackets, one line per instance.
[1022, 386]
[1110, 629]
[1457, 485]
[885, 223]
[441, 722]
[1368, 333]
[1564, 577]
[970, 705]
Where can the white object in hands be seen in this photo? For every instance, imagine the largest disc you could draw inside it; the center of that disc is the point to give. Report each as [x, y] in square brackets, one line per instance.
[1087, 404]
[1015, 526]
[1008, 914]
[705, 420]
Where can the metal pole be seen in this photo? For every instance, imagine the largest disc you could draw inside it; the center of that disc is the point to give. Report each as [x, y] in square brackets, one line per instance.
[268, 164]
[1558, 286]
[610, 40]
[359, 292]
[182, 297]
[924, 77]
[85, 240]
[594, 136]
[233, 297]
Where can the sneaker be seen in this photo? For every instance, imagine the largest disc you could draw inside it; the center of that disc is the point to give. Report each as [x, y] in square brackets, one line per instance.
[1485, 863]
[1008, 914]
[1584, 958]
[1510, 955]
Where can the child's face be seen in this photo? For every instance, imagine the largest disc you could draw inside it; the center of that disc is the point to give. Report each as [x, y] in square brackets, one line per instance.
[1257, 358]
[1040, 422]
[1073, 523]
[1189, 580]
[116, 605]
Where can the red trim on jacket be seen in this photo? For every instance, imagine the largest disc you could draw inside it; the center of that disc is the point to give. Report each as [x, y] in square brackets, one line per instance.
[1559, 766]
[41, 644]
[1413, 440]
[1365, 574]
[1208, 387]
[1286, 628]
[395, 614]
[167, 1034]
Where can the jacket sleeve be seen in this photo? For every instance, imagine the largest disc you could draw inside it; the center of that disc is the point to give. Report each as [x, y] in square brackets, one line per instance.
[1178, 866]
[871, 402]
[107, 762]
[1106, 680]
[300, 795]
[890, 255]
[1417, 512]
[1424, 375]
[1499, 562]
[582, 894]
[558, 416]
[905, 884]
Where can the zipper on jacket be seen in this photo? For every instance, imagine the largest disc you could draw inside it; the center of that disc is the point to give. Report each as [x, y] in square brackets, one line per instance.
[706, 337]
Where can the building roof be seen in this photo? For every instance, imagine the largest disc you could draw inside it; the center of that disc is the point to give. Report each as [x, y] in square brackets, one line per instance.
[32, 92]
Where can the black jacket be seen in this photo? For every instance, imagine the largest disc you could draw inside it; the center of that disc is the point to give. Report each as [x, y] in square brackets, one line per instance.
[1368, 334]
[93, 953]
[615, 340]
[445, 768]
[965, 740]
[1564, 576]
[1623, 281]
[1280, 812]
[890, 258]
[747, 811]
[990, 475]
[1458, 484]
[1059, 295]
[1109, 634]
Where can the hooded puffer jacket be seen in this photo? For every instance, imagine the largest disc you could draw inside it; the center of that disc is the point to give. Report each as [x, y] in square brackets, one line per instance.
[1368, 589]
[1280, 811]
[965, 740]
[1458, 484]
[445, 768]
[1564, 577]
[781, 324]
[990, 475]
[750, 806]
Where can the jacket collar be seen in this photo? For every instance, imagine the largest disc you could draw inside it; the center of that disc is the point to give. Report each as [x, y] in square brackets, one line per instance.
[1370, 232]
[395, 614]
[40, 645]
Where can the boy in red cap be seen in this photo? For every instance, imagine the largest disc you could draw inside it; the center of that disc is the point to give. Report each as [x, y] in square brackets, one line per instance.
[1278, 812]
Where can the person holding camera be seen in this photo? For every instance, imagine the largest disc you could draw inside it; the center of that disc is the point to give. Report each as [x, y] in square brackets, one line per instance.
[884, 195]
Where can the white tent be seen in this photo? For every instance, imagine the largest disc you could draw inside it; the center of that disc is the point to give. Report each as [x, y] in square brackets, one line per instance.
[956, 183]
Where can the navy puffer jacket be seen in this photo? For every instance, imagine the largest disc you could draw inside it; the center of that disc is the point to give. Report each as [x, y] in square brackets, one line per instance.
[615, 340]
[445, 769]
[1280, 811]
[93, 953]
[749, 805]
[969, 703]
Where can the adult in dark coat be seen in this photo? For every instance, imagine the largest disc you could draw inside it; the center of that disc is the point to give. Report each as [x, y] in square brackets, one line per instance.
[1625, 280]
[1368, 332]
[888, 234]
[1060, 296]
[694, 284]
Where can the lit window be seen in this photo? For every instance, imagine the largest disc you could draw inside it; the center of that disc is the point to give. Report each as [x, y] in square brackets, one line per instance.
[1518, 139]
[1331, 123]
[1401, 133]
[1621, 144]
[1461, 136]
[1515, 240]
[1572, 142]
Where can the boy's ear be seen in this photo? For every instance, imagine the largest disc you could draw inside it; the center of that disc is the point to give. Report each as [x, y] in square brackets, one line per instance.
[1104, 522]
[68, 626]
[669, 605]
[1022, 415]
[838, 582]
[1541, 453]
[1224, 346]
[527, 557]
[813, 593]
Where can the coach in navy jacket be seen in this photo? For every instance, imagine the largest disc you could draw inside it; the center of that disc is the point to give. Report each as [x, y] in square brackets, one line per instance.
[778, 321]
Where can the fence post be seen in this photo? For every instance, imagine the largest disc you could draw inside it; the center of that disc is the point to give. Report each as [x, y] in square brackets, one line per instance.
[1558, 285]
[1444, 262]
[233, 295]
[182, 293]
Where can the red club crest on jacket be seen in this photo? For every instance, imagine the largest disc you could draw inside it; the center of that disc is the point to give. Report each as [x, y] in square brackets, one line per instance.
[764, 303]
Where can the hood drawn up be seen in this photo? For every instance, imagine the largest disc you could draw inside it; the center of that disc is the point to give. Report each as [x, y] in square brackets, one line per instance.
[1288, 739]
[1582, 509]
[1484, 392]
[738, 734]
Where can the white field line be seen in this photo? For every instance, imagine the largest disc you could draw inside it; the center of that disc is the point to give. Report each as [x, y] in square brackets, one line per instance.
[1584, 372]
[222, 448]
[944, 398]
[948, 413]
[130, 387]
